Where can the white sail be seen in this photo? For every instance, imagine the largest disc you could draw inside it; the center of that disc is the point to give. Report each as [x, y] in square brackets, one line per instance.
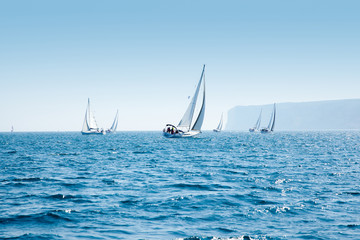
[258, 122]
[115, 123]
[86, 124]
[186, 120]
[219, 127]
[91, 118]
[221, 122]
[273, 121]
[200, 119]
[85, 127]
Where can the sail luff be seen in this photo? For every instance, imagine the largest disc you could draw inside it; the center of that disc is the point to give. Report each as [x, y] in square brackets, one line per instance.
[200, 118]
[188, 115]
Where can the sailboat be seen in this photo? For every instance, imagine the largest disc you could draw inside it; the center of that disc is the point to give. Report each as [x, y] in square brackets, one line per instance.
[187, 127]
[90, 126]
[115, 123]
[12, 128]
[257, 124]
[271, 126]
[219, 127]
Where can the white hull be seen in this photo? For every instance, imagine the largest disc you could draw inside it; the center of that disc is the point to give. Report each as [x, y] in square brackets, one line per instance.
[181, 134]
[265, 130]
[93, 133]
[217, 130]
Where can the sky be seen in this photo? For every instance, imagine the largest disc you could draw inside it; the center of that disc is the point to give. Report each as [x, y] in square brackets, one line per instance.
[145, 58]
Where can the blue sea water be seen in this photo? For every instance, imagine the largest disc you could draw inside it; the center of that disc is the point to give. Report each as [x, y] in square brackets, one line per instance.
[140, 185]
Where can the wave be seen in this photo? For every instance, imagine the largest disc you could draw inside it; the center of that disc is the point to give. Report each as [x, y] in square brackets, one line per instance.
[72, 198]
[192, 186]
[45, 217]
[142, 152]
[67, 154]
[34, 179]
[244, 237]
[353, 193]
[31, 236]
[11, 152]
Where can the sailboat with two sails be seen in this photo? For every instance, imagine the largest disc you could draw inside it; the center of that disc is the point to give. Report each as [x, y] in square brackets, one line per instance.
[219, 127]
[190, 124]
[90, 125]
[257, 124]
[113, 127]
[271, 126]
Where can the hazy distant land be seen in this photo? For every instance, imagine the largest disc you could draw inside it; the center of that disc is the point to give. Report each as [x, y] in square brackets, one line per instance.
[320, 115]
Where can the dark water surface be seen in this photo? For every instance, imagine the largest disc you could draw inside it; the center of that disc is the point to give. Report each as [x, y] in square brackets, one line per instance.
[139, 185]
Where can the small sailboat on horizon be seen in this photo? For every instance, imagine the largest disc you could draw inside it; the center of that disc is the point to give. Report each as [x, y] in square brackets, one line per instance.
[90, 126]
[186, 127]
[257, 124]
[113, 127]
[219, 127]
[271, 126]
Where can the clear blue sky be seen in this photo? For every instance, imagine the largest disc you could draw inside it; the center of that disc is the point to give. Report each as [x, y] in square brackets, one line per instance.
[145, 58]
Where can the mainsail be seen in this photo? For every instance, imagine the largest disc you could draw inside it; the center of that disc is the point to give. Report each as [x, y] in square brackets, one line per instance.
[186, 120]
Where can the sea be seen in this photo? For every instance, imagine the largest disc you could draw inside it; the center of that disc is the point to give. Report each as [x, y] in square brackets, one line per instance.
[140, 185]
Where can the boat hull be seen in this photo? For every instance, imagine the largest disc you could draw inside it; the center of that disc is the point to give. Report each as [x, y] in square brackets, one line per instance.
[93, 133]
[265, 130]
[216, 130]
[181, 134]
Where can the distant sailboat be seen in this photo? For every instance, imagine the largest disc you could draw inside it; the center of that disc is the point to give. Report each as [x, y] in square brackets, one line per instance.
[271, 126]
[219, 127]
[186, 127]
[12, 128]
[115, 123]
[90, 126]
[257, 124]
